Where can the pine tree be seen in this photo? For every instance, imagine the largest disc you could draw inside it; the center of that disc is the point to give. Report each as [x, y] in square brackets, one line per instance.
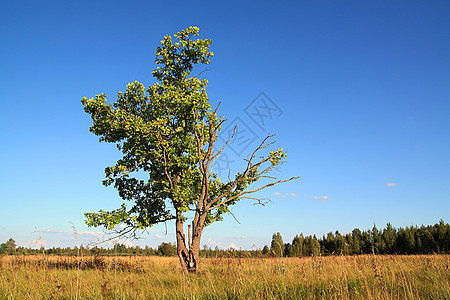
[315, 246]
[405, 241]
[389, 237]
[355, 245]
[330, 243]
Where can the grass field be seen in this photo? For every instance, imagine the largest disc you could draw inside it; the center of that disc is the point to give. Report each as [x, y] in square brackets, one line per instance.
[337, 277]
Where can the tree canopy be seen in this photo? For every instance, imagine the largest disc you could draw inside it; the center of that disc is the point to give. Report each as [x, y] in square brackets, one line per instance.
[9, 247]
[168, 131]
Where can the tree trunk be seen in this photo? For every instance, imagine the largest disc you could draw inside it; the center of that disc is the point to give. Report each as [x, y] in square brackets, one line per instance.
[195, 249]
[189, 259]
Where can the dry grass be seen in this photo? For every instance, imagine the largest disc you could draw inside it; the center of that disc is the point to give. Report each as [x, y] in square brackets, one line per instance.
[343, 277]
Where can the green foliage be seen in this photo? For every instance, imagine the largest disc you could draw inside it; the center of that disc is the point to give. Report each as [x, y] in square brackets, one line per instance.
[167, 249]
[409, 240]
[311, 246]
[277, 245]
[154, 129]
[168, 131]
[297, 246]
[9, 247]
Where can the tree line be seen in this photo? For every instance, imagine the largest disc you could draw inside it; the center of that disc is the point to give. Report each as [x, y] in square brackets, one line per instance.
[409, 240]
[389, 240]
[164, 249]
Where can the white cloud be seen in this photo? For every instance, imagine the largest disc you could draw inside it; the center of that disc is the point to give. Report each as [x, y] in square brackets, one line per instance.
[37, 243]
[322, 198]
[233, 246]
[54, 231]
[210, 241]
[125, 242]
[291, 195]
[286, 195]
[239, 237]
[91, 233]
[391, 184]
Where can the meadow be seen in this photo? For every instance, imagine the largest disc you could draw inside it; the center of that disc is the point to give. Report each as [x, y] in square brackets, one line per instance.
[332, 277]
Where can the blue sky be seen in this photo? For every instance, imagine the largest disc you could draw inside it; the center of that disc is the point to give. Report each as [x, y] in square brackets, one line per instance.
[361, 92]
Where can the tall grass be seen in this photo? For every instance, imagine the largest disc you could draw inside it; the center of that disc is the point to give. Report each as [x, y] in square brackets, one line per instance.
[342, 277]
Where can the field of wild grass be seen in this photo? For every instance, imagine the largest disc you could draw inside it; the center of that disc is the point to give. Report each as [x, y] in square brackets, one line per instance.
[337, 277]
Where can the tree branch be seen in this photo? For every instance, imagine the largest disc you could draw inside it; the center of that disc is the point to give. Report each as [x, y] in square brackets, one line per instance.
[250, 192]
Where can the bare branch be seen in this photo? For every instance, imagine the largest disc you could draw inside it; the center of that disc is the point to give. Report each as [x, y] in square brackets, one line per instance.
[226, 143]
[250, 192]
[231, 213]
[250, 167]
[124, 232]
[217, 107]
[205, 70]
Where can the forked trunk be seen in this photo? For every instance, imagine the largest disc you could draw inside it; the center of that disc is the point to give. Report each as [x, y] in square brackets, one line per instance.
[189, 257]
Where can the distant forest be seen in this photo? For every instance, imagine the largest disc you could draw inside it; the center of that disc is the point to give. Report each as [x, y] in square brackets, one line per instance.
[410, 240]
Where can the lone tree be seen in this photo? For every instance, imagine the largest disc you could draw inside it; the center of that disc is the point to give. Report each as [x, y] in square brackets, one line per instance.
[168, 131]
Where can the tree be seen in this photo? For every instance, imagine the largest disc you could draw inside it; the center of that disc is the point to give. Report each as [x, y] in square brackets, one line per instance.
[366, 242]
[9, 247]
[356, 241]
[287, 249]
[168, 131]
[389, 236]
[297, 246]
[167, 249]
[441, 232]
[340, 242]
[277, 245]
[406, 241]
[330, 243]
[315, 246]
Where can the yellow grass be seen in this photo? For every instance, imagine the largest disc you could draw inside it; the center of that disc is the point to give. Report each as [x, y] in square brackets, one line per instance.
[339, 277]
